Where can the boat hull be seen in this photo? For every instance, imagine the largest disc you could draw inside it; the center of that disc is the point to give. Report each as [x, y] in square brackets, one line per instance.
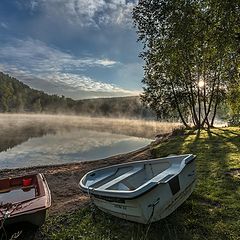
[155, 204]
[24, 204]
[36, 218]
[144, 191]
[134, 210]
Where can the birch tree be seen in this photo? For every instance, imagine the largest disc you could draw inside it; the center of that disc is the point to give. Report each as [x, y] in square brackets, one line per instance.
[191, 54]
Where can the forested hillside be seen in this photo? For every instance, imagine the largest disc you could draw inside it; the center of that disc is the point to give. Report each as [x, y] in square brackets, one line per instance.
[18, 97]
[117, 107]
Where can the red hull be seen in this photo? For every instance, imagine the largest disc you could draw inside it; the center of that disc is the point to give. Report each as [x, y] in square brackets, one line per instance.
[24, 199]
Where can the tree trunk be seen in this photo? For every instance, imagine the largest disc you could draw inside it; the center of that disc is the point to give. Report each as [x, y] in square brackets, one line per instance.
[205, 102]
[178, 108]
[199, 108]
[195, 119]
[216, 103]
[214, 112]
[193, 100]
[216, 78]
[217, 95]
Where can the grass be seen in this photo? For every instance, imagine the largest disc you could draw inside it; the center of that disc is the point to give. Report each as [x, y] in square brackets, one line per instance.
[212, 212]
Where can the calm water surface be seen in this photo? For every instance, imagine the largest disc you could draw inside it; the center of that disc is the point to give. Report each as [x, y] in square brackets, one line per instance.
[69, 146]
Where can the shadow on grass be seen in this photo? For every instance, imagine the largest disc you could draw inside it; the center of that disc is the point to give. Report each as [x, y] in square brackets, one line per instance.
[229, 131]
[211, 212]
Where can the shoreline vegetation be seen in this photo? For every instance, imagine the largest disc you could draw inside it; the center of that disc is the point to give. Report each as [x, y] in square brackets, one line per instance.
[212, 211]
[17, 97]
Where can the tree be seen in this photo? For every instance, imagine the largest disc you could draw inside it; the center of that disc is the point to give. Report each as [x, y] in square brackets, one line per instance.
[36, 106]
[6, 93]
[191, 55]
[20, 101]
[233, 101]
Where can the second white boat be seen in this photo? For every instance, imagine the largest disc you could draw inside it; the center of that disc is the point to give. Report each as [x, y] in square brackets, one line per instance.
[144, 191]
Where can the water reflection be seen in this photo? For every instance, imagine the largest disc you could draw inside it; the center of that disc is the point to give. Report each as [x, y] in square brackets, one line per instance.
[18, 195]
[68, 146]
[10, 137]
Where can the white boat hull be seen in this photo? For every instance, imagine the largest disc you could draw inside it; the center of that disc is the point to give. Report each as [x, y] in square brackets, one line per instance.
[134, 196]
[152, 206]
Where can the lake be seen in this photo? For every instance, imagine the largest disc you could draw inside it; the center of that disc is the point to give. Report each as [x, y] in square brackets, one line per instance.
[66, 146]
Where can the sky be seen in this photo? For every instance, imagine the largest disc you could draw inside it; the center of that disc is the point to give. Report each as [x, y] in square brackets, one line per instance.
[76, 48]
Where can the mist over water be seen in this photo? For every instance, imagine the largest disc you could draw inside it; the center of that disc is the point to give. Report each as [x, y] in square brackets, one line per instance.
[33, 140]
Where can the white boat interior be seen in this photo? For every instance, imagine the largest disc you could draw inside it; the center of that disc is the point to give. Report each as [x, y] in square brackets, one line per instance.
[130, 180]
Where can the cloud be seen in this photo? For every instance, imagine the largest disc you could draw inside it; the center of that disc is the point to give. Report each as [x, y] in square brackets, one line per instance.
[87, 12]
[82, 82]
[40, 56]
[69, 85]
[41, 66]
[105, 62]
[4, 25]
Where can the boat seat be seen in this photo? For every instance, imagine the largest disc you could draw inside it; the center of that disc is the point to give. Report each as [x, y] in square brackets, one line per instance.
[120, 178]
[167, 175]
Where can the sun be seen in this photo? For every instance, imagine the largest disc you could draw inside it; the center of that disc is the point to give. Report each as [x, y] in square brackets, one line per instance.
[201, 83]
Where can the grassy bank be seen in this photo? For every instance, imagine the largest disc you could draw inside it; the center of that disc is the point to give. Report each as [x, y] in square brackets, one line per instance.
[212, 211]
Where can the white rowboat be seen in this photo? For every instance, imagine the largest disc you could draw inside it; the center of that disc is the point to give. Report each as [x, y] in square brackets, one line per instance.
[143, 191]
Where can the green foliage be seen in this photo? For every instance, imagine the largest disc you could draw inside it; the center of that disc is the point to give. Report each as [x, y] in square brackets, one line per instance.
[191, 55]
[234, 104]
[114, 107]
[211, 212]
[18, 97]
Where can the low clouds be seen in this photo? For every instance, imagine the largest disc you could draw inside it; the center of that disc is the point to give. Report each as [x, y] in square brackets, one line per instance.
[76, 48]
[87, 13]
[83, 83]
[33, 61]
[42, 57]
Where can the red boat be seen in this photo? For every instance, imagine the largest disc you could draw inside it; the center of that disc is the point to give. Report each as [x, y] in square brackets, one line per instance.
[24, 199]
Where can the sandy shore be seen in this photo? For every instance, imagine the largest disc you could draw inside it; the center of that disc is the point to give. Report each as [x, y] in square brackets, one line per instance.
[63, 179]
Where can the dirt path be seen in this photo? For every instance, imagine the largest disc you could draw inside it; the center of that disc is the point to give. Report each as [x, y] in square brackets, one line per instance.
[63, 179]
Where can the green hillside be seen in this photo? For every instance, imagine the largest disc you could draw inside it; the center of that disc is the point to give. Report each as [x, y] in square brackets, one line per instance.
[18, 97]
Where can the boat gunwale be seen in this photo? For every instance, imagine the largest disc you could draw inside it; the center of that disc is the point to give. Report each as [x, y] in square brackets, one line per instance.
[45, 195]
[149, 185]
